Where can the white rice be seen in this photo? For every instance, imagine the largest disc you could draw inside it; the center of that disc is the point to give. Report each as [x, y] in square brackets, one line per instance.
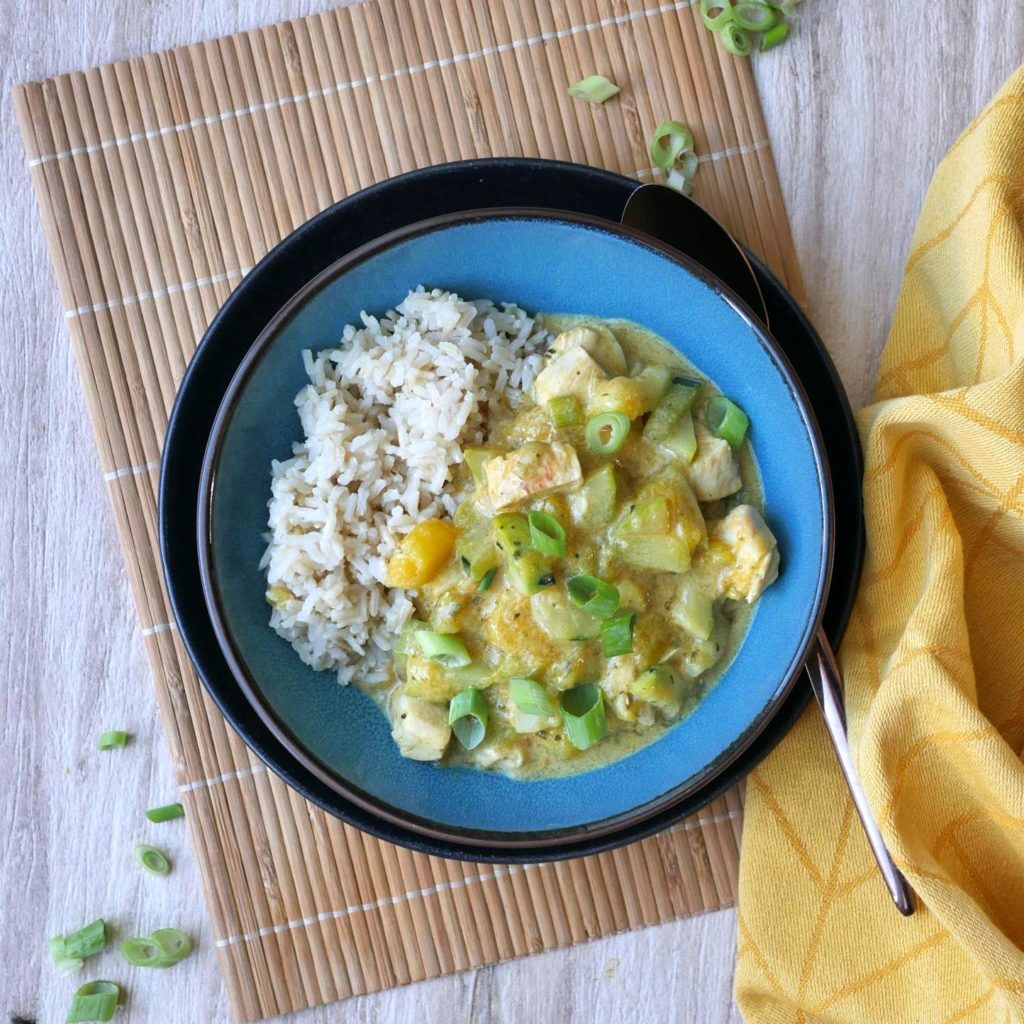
[384, 416]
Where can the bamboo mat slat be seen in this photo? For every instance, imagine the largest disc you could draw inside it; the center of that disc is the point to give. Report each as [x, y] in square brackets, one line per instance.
[162, 181]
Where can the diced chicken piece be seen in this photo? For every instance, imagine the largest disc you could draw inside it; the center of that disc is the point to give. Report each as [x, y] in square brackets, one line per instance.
[573, 372]
[713, 474]
[754, 562]
[535, 469]
[421, 728]
[599, 343]
[503, 755]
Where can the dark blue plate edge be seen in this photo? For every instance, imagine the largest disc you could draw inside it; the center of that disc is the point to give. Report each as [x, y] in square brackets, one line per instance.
[591, 187]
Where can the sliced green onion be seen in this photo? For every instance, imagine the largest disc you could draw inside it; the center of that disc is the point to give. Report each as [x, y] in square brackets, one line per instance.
[113, 740]
[546, 533]
[593, 595]
[565, 411]
[164, 948]
[681, 178]
[774, 36]
[671, 140]
[467, 715]
[87, 941]
[63, 963]
[174, 944]
[487, 579]
[152, 859]
[94, 1001]
[715, 13]
[166, 813]
[444, 648]
[735, 39]
[530, 697]
[606, 432]
[727, 420]
[583, 715]
[593, 89]
[617, 634]
[757, 17]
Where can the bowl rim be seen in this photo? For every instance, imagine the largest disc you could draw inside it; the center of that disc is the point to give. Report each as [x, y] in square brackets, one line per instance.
[245, 679]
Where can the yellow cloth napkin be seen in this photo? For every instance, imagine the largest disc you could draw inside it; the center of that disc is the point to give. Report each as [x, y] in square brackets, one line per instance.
[934, 656]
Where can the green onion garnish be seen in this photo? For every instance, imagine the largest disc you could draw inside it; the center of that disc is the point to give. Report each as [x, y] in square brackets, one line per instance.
[671, 140]
[681, 178]
[593, 89]
[565, 411]
[164, 948]
[94, 1001]
[617, 634]
[715, 13]
[583, 715]
[446, 649]
[487, 579]
[735, 39]
[546, 533]
[63, 963]
[152, 859]
[530, 697]
[166, 813]
[113, 740]
[727, 420]
[87, 941]
[593, 595]
[774, 36]
[756, 17]
[467, 715]
[606, 432]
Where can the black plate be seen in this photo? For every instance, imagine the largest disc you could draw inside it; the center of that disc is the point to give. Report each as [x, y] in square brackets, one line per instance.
[317, 244]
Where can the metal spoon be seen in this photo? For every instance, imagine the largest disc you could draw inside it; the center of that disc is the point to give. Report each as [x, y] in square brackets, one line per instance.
[677, 220]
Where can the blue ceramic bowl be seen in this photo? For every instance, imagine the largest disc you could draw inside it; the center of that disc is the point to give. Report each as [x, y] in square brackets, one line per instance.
[543, 261]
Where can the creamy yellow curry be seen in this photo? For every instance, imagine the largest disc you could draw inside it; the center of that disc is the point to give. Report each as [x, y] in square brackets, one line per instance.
[599, 572]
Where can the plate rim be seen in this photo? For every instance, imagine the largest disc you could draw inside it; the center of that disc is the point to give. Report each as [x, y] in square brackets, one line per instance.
[246, 680]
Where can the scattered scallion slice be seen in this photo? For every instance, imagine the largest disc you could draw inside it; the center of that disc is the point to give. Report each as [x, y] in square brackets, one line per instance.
[583, 715]
[593, 595]
[774, 36]
[681, 178]
[754, 16]
[715, 13]
[593, 89]
[467, 715]
[445, 649]
[735, 39]
[546, 534]
[487, 579]
[153, 860]
[164, 948]
[671, 140]
[87, 941]
[727, 420]
[617, 634]
[166, 813]
[530, 697]
[113, 740]
[606, 432]
[94, 1001]
[565, 411]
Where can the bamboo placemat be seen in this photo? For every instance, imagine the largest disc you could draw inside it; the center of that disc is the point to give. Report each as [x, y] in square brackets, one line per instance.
[161, 181]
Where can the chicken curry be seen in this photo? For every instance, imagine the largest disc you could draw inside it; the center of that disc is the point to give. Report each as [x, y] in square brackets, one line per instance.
[599, 572]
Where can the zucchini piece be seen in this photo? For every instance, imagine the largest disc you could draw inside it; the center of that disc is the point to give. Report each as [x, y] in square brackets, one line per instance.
[669, 411]
[476, 457]
[477, 551]
[644, 518]
[406, 644]
[656, 381]
[662, 554]
[682, 441]
[428, 680]
[658, 686]
[561, 619]
[694, 607]
[593, 505]
[527, 569]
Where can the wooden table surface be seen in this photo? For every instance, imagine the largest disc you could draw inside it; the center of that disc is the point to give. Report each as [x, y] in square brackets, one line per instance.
[861, 102]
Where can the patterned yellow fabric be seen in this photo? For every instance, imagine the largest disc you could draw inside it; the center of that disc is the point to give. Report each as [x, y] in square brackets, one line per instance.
[934, 657]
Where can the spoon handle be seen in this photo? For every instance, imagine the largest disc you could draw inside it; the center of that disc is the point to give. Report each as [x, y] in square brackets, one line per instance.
[826, 681]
